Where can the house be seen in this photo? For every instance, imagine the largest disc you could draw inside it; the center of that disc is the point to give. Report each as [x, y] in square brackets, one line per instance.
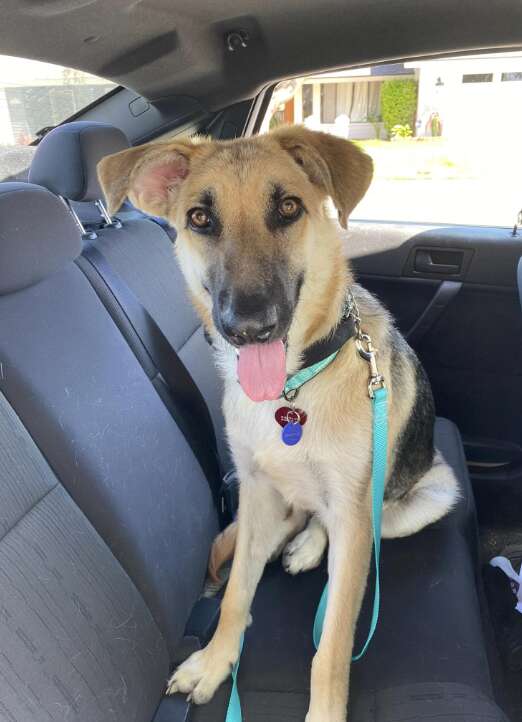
[344, 102]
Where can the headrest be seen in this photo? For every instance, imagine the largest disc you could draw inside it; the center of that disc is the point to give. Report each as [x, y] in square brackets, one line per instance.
[66, 158]
[38, 235]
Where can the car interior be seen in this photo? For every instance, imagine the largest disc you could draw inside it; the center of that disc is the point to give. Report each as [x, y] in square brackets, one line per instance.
[115, 475]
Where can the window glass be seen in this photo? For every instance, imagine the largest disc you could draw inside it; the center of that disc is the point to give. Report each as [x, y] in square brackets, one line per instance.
[444, 134]
[35, 96]
[511, 76]
[477, 78]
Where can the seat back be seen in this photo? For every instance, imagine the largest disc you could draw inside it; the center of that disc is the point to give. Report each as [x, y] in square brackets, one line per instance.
[92, 411]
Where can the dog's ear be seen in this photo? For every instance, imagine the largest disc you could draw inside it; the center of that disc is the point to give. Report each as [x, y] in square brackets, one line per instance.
[336, 165]
[149, 175]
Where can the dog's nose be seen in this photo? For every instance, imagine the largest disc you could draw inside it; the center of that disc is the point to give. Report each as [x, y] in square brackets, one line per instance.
[247, 318]
[244, 331]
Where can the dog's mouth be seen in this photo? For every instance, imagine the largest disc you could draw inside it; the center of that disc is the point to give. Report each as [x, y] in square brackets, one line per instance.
[261, 370]
[257, 325]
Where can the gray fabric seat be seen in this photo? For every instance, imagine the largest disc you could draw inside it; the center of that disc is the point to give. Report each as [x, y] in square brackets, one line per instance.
[141, 251]
[77, 639]
[94, 414]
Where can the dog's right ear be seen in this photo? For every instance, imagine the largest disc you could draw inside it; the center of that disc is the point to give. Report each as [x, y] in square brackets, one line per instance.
[334, 164]
[149, 175]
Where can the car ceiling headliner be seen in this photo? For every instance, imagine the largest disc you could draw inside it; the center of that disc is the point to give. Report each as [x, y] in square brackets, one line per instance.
[161, 48]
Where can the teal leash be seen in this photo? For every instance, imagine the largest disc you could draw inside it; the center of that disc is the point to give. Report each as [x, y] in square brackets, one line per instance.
[234, 703]
[380, 450]
[379, 395]
[300, 378]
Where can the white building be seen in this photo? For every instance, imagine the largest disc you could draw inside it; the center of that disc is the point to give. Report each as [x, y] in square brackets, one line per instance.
[473, 96]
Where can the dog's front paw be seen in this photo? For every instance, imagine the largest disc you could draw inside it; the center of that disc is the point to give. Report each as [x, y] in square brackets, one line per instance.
[201, 674]
[305, 551]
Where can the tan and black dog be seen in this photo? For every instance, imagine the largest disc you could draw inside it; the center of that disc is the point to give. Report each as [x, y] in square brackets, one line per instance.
[265, 269]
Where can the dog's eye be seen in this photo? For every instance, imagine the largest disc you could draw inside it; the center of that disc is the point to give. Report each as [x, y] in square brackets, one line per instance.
[289, 208]
[199, 219]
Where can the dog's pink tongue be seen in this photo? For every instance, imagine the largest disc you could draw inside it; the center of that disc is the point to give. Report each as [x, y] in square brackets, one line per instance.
[261, 369]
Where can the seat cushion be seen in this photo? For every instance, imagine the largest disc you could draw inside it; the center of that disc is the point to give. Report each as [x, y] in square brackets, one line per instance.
[429, 629]
[78, 642]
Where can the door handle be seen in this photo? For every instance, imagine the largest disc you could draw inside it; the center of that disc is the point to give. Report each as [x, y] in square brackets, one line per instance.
[440, 261]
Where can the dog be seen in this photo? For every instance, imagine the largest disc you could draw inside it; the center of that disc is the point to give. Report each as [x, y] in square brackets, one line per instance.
[264, 265]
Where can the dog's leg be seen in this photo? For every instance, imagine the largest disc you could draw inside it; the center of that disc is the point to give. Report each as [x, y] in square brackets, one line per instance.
[264, 523]
[306, 550]
[348, 563]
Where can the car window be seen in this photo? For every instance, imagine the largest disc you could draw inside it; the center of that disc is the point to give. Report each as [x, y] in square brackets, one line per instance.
[35, 96]
[444, 134]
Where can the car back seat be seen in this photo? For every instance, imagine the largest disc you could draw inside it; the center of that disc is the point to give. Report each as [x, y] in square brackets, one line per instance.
[80, 392]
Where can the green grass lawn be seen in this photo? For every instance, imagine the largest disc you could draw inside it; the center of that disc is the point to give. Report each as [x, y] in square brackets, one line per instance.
[417, 159]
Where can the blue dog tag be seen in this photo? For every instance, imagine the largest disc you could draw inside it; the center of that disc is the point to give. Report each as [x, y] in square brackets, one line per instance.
[292, 433]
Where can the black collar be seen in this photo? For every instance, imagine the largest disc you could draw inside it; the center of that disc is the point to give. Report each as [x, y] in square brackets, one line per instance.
[326, 346]
[329, 344]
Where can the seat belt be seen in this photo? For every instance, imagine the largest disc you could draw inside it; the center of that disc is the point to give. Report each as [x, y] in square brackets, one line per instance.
[188, 408]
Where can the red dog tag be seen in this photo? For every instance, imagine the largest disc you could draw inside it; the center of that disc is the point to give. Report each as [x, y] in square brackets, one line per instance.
[286, 415]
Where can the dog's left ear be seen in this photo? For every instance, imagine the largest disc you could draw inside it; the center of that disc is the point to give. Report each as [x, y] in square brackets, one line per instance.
[336, 165]
[149, 175]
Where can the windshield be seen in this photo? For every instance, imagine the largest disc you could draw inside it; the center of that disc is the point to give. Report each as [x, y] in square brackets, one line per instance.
[35, 96]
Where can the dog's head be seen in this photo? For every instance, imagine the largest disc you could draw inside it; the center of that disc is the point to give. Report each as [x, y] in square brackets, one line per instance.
[251, 223]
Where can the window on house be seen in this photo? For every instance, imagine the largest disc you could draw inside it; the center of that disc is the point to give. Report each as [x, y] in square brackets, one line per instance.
[511, 76]
[358, 101]
[443, 151]
[35, 96]
[477, 78]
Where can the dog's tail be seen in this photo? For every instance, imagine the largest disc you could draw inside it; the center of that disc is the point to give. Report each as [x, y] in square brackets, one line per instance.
[222, 550]
[433, 496]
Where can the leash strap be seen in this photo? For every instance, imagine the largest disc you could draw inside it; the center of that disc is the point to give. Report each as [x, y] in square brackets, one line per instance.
[234, 703]
[301, 377]
[380, 450]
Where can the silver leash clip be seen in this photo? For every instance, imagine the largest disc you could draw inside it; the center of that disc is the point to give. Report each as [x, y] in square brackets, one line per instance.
[368, 353]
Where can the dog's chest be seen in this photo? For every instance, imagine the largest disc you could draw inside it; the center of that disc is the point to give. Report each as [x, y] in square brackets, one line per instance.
[319, 471]
[310, 475]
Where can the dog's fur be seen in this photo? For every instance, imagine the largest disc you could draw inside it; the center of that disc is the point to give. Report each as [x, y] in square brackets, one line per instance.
[318, 491]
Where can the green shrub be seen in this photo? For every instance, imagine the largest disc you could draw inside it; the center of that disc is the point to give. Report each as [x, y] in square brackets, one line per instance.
[398, 103]
[401, 131]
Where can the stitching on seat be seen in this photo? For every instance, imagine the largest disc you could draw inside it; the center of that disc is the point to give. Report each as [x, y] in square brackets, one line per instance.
[28, 511]
[188, 339]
